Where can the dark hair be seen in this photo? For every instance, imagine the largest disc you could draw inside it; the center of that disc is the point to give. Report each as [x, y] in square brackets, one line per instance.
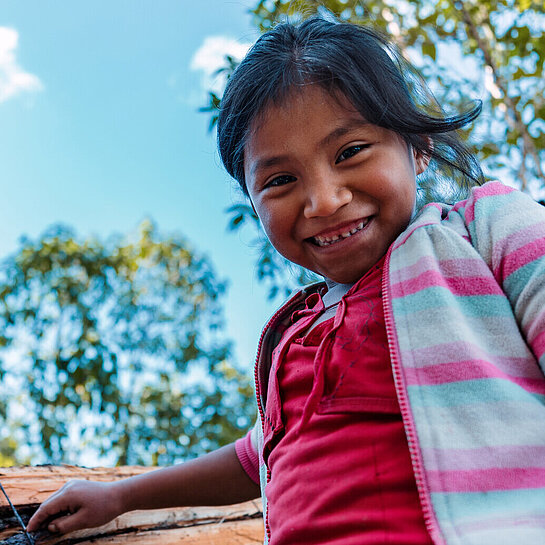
[357, 63]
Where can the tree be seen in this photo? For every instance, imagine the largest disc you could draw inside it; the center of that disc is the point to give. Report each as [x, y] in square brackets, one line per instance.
[498, 44]
[115, 349]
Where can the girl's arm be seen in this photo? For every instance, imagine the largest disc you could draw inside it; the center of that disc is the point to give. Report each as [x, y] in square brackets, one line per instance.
[216, 478]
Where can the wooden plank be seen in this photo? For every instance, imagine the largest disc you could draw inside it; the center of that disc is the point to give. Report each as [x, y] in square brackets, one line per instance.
[32, 485]
[225, 533]
[27, 487]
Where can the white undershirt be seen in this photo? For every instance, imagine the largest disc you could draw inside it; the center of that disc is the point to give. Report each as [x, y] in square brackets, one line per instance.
[331, 298]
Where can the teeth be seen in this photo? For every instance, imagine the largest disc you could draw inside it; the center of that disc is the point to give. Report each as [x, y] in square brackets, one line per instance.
[326, 241]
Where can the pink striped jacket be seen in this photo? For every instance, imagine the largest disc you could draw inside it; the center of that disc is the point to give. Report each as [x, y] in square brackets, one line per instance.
[464, 305]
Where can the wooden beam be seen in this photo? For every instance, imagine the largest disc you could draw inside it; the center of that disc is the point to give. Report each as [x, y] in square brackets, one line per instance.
[27, 487]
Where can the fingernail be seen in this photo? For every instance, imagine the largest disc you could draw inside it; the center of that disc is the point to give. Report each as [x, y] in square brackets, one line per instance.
[53, 528]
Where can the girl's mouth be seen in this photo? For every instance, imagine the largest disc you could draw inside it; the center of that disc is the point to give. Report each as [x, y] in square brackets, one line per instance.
[329, 240]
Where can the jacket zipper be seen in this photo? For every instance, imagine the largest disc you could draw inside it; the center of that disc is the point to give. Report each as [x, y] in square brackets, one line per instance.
[261, 410]
[267, 327]
[258, 390]
[427, 508]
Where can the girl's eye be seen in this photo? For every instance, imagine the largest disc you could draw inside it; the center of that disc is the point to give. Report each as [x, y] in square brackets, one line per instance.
[350, 152]
[280, 180]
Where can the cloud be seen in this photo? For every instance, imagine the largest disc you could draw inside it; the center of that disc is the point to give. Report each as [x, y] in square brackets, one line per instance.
[211, 56]
[13, 79]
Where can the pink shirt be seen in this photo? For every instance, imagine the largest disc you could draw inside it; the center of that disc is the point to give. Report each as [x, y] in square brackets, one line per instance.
[340, 473]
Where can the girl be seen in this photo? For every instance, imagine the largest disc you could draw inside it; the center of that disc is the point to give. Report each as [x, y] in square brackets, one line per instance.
[399, 400]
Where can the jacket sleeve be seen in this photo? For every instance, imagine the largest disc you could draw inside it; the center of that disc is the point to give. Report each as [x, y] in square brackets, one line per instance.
[247, 453]
[507, 228]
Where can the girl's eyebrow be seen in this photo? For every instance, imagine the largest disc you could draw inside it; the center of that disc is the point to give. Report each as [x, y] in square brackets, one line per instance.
[338, 132]
[263, 164]
[353, 124]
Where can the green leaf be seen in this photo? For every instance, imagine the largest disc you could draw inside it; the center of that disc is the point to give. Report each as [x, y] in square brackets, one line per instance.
[429, 49]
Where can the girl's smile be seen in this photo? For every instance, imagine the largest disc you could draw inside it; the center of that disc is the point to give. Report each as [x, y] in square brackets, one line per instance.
[333, 236]
[332, 191]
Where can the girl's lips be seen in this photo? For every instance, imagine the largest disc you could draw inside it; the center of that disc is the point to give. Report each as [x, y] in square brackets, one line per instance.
[340, 234]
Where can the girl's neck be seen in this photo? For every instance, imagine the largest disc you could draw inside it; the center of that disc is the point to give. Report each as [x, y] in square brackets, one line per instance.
[334, 292]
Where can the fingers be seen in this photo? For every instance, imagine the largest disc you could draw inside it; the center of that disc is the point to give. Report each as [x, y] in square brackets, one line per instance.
[77, 505]
[66, 523]
[46, 512]
[55, 505]
[38, 518]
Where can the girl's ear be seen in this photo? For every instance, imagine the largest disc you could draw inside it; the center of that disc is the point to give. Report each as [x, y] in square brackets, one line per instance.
[421, 162]
[421, 159]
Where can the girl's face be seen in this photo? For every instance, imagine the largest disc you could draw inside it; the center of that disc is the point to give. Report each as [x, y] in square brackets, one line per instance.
[332, 191]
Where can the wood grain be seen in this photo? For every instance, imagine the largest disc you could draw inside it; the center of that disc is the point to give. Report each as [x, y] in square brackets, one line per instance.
[27, 487]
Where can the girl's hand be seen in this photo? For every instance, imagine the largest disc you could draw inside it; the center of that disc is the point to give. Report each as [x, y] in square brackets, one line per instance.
[78, 504]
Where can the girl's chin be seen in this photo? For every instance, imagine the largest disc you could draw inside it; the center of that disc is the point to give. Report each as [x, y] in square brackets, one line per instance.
[344, 268]
[349, 274]
[346, 278]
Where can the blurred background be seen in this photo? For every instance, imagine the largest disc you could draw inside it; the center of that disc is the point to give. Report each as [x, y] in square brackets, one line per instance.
[134, 280]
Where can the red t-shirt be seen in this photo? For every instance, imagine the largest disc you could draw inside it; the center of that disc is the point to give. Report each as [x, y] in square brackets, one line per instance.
[340, 473]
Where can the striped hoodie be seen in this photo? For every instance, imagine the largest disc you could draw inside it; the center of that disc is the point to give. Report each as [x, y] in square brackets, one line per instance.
[464, 306]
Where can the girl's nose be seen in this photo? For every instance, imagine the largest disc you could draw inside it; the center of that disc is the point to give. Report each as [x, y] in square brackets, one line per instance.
[324, 199]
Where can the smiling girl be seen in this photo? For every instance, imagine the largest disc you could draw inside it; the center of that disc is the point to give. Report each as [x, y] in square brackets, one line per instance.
[401, 400]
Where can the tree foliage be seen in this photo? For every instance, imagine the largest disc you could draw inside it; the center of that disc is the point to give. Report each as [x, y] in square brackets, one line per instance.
[115, 349]
[492, 50]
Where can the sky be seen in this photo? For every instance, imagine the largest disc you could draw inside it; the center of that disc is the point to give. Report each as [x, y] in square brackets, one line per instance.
[100, 129]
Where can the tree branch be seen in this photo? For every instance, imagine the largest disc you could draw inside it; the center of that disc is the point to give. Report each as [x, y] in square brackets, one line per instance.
[515, 120]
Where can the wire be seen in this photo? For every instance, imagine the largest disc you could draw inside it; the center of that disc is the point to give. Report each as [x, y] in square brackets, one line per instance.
[29, 538]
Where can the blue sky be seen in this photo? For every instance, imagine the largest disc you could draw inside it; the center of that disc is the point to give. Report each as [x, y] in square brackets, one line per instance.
[99, 129]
